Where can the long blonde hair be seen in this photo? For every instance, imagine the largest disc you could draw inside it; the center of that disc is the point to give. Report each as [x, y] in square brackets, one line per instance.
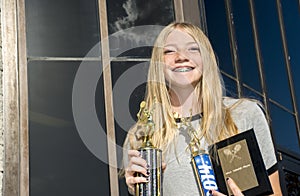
[216, 123]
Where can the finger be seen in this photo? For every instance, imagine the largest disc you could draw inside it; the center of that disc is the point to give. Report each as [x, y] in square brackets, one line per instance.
[132, 169]
[135, 158]
[138, 164]
[134, 153]
[139, 161]
[216, 193]
[131, 181]
[234, 188]
[163, 166]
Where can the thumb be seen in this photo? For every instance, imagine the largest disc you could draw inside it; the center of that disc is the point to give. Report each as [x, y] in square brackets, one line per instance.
[234, 188]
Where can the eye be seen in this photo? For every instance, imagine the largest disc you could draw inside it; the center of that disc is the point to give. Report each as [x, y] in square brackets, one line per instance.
[169, 51]
[194, 49]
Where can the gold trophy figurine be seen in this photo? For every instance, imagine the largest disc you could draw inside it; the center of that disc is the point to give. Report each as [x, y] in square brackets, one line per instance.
[151, 154]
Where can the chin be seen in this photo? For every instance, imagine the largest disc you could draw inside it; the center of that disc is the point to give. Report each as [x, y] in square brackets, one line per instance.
[182, 84]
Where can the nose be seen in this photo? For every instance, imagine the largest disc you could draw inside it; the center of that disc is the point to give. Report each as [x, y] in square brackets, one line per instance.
[181, 57]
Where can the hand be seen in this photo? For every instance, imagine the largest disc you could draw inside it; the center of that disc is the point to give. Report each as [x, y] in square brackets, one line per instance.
[234, 188]
[136, 164]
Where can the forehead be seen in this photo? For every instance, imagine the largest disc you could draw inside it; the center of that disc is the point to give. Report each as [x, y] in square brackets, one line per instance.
[179, 37]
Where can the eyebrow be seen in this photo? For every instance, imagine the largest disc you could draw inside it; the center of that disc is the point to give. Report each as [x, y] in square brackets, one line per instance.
[189, 43]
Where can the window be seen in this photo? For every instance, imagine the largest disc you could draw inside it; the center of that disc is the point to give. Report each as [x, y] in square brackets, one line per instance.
[263, 41]
[64, 40]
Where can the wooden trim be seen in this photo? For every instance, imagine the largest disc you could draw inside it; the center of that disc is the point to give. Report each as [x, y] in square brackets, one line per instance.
[178, 8]
[11, 107]
[191, 12]
[48, 58]
[111, 138]
[188, 11]
[23, 89]
[202, 17]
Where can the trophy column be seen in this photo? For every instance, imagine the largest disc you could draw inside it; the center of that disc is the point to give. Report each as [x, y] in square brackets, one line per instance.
[153, 186]
[203, 169]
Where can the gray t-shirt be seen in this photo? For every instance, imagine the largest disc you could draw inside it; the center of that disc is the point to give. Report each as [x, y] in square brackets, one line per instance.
[179, 178]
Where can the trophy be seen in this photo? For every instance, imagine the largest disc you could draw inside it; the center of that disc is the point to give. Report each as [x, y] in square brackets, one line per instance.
[203, 169]
[201, 162]
[151, 154]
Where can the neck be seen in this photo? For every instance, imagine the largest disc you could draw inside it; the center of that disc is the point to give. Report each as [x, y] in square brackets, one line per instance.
[185, 101]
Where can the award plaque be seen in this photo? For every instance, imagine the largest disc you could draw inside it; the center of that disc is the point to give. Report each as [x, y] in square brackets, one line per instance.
[239, 158]
[151, 154]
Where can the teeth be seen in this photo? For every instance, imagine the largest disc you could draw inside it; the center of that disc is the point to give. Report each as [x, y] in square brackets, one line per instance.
[183, 69]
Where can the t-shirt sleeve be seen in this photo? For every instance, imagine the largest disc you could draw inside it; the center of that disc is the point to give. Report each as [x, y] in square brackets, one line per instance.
[249, 115]
[263, 136]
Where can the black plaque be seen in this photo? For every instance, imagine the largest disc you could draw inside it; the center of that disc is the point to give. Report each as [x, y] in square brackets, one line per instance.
[239, 158]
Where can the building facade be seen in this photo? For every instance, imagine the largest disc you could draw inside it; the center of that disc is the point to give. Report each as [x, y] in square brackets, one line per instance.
[260, 39]
[1, 112]
[74, 72]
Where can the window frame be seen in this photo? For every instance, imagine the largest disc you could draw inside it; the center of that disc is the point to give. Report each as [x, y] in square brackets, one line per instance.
[15, 89]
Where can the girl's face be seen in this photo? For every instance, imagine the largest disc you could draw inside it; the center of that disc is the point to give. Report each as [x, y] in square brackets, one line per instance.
[182, 58]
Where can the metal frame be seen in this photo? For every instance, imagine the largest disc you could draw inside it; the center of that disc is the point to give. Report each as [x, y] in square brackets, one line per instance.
[233, 46]
[259, 60]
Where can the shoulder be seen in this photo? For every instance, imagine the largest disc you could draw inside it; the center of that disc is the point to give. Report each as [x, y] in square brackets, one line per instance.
[245, 112]
[249, 114]
[240, 105]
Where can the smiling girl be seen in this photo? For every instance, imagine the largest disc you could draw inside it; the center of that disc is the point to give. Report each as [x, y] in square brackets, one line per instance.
[185, 80]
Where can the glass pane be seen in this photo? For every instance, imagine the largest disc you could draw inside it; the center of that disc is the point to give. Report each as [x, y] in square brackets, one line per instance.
[129, 83]
[60, 162]
[249, 93]
[246, 50]
[218, 33]
[291, 16]
[230, 85]
[272, 52]
[284, 129]
[123, 14]
[61, 28]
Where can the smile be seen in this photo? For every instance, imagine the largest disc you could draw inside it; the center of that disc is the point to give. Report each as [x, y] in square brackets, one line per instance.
[183, 69]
